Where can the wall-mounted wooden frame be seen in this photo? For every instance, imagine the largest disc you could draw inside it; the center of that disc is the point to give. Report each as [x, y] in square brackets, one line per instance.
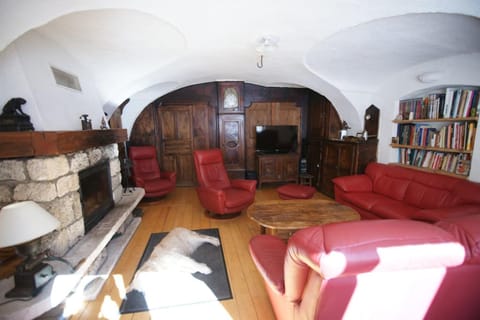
[230, 97]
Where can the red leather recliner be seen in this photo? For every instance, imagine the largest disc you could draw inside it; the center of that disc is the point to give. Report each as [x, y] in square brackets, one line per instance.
[216, 192]
[146, 172]
[374, 269]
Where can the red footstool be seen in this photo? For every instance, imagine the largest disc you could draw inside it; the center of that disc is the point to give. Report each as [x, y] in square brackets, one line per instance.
[295, 191]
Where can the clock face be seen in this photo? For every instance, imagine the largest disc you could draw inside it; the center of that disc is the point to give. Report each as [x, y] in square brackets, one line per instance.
[230, 99]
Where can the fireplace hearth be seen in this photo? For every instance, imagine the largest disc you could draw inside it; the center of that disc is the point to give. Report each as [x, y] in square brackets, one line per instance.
[95, 193]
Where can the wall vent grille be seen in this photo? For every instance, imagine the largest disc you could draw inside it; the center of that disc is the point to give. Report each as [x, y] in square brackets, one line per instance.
[66, 79]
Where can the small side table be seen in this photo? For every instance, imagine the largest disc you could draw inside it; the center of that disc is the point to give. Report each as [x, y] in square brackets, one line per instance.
[306, 179]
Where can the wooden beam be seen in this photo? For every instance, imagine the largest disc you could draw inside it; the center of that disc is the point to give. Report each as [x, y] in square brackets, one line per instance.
[50, 143]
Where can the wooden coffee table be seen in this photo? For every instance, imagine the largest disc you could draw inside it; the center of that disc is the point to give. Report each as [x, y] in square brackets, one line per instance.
[284, 217]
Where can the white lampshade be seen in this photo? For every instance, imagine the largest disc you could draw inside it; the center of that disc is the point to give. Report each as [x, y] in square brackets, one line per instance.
[24, 221]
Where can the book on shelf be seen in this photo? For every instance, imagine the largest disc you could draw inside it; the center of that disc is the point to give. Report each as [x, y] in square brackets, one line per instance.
[463, 165]
[447, 110]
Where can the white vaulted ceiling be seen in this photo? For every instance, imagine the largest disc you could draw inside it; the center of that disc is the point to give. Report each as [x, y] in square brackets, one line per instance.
[346, 50]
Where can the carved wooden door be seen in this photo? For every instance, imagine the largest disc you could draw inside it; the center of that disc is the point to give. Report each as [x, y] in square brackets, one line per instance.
[231, 130]
[176, 142]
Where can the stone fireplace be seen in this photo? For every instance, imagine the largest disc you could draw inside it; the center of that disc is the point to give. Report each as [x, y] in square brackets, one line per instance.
[54, 183]
[61, 170]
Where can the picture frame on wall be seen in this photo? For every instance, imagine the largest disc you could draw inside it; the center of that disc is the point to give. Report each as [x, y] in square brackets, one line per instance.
[230, 97]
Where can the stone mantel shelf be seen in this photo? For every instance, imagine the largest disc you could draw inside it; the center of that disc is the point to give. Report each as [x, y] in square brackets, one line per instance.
[21, 144]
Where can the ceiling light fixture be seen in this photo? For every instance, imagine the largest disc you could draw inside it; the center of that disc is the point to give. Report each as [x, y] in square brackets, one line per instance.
[429, 77]
[265, 45]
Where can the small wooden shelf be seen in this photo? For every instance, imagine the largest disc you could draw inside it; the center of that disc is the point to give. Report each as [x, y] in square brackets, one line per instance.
[407, 146]
[51, 143]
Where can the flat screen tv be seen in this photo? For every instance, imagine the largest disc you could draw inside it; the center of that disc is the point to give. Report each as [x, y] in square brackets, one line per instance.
[276, 139]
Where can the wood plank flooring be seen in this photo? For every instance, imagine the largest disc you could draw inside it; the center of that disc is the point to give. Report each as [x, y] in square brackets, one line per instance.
[182, 208]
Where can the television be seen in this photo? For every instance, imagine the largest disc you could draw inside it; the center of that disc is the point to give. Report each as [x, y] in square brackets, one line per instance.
[276, 139]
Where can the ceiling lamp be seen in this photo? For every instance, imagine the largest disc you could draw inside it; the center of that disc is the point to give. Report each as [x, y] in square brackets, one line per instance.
[264, 45]
[429, 77]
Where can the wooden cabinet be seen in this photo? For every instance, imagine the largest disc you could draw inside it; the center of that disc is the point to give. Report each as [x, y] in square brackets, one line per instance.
[323, 123]
[277, 168]
[269, 113]
[343, 158]
[231, 138]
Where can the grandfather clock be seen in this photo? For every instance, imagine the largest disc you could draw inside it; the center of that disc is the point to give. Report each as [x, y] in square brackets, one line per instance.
[231, 124]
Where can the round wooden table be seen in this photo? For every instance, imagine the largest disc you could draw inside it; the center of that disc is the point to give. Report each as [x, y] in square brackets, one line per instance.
[283, 217]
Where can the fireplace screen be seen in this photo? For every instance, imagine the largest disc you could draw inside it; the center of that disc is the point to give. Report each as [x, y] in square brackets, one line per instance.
[95, 193]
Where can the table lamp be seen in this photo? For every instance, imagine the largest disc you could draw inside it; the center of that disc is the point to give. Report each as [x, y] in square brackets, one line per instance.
[20, 224]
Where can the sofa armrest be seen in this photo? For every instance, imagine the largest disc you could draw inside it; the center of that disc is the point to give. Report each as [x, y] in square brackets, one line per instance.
[466, 230]
[249, 185]
[350, 248]
[355, 183]
[170, 175]
[268, 254]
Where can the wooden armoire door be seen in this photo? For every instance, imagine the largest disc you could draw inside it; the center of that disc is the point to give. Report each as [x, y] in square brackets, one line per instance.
[231, 138]
[176, 142]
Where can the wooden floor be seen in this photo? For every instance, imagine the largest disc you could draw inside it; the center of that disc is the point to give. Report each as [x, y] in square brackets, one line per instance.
[182, 208]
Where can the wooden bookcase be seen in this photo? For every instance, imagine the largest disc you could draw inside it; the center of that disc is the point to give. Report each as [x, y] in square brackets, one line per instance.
[436, 132]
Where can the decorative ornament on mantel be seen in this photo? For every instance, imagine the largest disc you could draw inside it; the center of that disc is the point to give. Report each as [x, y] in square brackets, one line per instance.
[86, 123]
[13, 118]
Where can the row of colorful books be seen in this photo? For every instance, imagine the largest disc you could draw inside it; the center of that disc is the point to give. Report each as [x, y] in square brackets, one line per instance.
[456, 135]
[447, 162]
[453, 103]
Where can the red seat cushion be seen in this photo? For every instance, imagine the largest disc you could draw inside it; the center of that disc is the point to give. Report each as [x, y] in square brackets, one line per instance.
[295, 191]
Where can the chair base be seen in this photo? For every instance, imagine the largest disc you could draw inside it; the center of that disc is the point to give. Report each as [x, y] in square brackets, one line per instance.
[222, 216]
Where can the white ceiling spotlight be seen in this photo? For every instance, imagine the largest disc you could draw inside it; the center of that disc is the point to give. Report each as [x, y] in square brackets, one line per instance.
[265, 45]
[430, 77]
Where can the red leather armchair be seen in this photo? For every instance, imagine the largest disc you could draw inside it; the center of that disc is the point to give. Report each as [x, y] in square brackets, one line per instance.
[146, 172]
[373, 269]
[216, 192]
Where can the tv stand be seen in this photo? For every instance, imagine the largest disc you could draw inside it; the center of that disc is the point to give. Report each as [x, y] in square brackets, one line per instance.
[277, 167]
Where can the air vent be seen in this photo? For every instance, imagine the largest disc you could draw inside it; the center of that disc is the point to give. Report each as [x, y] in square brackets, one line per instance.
[66, 79]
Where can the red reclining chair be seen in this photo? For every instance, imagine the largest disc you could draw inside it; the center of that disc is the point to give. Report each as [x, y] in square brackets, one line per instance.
[146, 172]
[216, 192]
[374, 269]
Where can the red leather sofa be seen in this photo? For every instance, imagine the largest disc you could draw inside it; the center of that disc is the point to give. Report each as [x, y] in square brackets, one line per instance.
[389, 191]
[374, 269]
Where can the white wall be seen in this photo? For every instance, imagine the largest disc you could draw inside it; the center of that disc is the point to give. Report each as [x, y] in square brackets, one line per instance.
[26, 73]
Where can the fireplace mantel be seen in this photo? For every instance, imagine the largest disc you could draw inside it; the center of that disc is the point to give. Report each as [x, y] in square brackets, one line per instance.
[51, 143]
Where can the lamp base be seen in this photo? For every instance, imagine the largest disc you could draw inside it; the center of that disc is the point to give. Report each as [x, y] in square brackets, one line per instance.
[29, 283]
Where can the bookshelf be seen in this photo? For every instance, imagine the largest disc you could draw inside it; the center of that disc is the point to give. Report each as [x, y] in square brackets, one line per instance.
[436, 132]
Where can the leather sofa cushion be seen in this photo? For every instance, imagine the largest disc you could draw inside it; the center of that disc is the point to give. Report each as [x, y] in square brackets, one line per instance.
[434, 215]
[364, 200]
[393, 209]
[431, 196]
[391, 187]
[465, 230]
